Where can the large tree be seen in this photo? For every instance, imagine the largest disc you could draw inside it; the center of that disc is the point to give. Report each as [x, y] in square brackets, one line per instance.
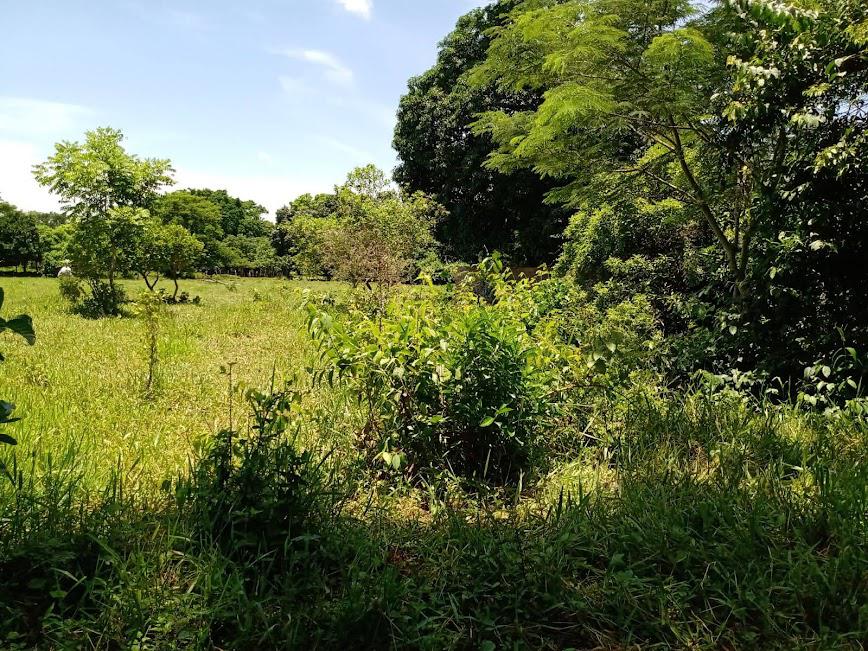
[750, 118]
[441, 156]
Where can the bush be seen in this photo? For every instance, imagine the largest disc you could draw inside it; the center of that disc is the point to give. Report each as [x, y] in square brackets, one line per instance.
[71, 290]
[458, 387]
[257, 493]
[103, 300]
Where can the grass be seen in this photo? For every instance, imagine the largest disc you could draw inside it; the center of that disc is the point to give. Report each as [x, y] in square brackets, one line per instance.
[703, 522]
[84, 382]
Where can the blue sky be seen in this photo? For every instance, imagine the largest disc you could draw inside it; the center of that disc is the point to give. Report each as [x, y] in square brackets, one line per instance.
[267, 98]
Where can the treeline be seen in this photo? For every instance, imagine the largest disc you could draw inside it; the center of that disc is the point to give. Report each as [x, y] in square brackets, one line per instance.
[118, 221]
[711, 159]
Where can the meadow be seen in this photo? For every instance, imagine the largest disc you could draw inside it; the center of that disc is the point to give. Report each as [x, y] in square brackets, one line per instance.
[83, 385]
[189, 517]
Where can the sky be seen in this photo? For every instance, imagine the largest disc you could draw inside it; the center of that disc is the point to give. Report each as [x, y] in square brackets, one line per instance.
[268, 99]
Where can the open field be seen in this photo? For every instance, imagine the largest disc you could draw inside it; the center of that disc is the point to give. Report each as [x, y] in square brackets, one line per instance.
[83, 384]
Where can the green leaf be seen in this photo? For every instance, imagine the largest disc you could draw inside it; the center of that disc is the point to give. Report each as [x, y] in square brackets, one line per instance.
[23, 325]
[488, 422]
[8, 440]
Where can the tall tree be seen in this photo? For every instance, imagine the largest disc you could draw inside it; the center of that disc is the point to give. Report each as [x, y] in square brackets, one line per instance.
[441, 156]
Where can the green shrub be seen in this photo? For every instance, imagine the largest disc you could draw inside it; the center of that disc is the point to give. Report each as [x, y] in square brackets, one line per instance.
[258, 493]
[457, 386]
[71, 290]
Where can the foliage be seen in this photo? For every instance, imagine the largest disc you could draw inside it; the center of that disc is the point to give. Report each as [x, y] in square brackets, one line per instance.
[71, 290]
[741, 521]
[364, 233]
[21, 325]
[19, 237]
[54, 242]
[459, 389]
[302, 240]
[237, 216]
[181, 252]
[97, 175]
[441, 156]
[253, 494]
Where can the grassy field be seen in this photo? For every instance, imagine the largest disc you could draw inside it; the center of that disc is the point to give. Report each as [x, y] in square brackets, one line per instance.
[670, 521]
[83, 384]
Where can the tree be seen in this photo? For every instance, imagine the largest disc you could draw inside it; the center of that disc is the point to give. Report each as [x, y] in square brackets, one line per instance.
[93, 177]
[748, 120]
[378, 236]
[103, 187]
[19, 237]
[626, 86]
[307, 205]
[238, 217]
[108, 247]
[54, 243]
[200, 216]
[181, 252]
[441, 156]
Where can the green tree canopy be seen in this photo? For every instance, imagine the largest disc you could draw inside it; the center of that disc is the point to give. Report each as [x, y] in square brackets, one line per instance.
[19, 237]
[94, 176]
[441, 156]
[238, 217]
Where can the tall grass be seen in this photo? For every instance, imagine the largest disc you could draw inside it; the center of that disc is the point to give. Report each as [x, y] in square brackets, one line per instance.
[695, 521]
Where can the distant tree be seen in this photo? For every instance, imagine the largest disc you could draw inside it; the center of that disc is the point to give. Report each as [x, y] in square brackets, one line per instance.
[19, 237]
[198, 214]
[378, 236]
[52, 219]
[238, 217]
[308, 205]
[253, 254]
[54, 243]
[368, 181]
[440, 155]
[181, 252]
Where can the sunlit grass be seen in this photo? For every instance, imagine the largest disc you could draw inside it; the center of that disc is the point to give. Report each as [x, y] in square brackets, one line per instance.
[83, 382]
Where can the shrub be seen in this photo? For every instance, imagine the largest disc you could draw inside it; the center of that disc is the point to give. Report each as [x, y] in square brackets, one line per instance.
[458, 387]
[257, 493]
[71, 290]
[103, 300]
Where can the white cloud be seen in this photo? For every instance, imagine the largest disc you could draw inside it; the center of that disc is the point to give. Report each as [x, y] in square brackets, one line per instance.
[362, 8]
[23, 115]
[333, 69]
[17, 185]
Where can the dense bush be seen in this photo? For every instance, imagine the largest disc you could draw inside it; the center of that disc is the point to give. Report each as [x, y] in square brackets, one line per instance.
[459, 388]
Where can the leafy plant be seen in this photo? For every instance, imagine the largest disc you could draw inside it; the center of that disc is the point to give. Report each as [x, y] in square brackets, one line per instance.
[458, 387]
[21, 325]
